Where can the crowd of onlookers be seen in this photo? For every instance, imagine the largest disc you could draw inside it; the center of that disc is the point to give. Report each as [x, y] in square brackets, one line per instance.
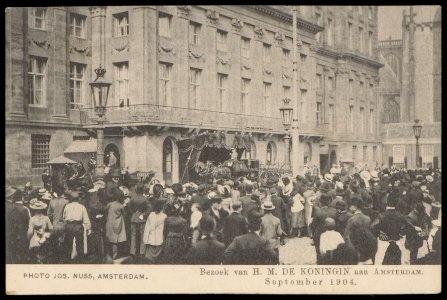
[383, 216]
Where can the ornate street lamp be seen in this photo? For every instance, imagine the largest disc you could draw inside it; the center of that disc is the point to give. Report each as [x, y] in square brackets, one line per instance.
[417, 127]
[286, 116]
[100, 92]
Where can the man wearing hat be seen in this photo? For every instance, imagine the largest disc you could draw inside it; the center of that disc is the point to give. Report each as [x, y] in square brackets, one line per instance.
[357, 221]
[112, 184]
[254, 204]
[200, 198]
[248, 189]
[16, 223]
[251, 248]
[319, 216]
[342, 216]
[218, 214]
[390, 226]
[271, 226]
[235, 224]
[280, 210]
[46, 180]
[208, 250]
[55, 213]
[416, 237]
[76, 220]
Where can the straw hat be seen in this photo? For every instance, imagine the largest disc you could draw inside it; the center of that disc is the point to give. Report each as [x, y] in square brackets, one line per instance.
[429, 178]
[328, 177]
[37, 205]
[268, 205]
[365, 175]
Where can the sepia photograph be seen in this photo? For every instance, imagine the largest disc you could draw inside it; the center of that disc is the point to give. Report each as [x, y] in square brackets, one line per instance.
[280, 146]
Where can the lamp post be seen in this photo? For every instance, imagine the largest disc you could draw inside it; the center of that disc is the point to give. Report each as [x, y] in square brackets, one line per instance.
[286, 116]
[417, 127]
[100, 91]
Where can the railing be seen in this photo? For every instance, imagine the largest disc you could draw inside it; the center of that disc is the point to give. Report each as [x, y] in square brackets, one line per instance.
[170, 116]
[390, 43]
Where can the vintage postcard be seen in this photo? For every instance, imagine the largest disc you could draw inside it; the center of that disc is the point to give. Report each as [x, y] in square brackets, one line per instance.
[242, 149]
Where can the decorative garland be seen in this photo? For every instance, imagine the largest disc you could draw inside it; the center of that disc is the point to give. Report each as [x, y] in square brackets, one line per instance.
[41, 44]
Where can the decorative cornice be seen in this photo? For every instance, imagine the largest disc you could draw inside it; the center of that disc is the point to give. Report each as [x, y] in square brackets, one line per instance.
[301, 23]
[212, 16]
[259, 32]
[279, 36]
[299, 44]
[183, 10]
[80, 50]
[314, 46]
[98, 11]
[237, 25]
[342, 69]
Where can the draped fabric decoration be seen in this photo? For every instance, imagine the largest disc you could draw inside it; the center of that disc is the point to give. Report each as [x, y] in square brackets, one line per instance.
[215, 147]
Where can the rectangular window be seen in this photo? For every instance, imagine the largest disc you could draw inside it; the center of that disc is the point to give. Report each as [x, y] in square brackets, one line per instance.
[399, 154]
[286, 92]
[362, 120]
[360, 39]
[330, 83]
[303, 105]
[77, 25]
[194, 87]
[350, 36]
[266, 53]
[245, 47]
[303, 58]
[371, 121]
[351, 88]
[265, 109]
[221, 40]
[164, 25]
[371, 92]
[286, 62]
[319, 114]
[370, 13]
[164, 90]
[319, 81]
[37, 81]
[40, 150]
[370, 46]
[354, 153]
[245, 98]
[121, 24]
[331, 117]
[194, 33]
[76, 85]
[221, 90]
[351, 118]
[37, 17]
[121, 84]
[329, 32]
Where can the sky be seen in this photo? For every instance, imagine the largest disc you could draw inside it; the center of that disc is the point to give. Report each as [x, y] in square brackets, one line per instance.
[390, 19]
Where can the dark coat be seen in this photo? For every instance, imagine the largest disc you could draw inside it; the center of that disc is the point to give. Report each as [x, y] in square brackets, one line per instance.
[341, 220]
[252, 205]
[280, 209]
[175, 241]
[319, 217]
[357, 221]
[208, 251]
[391, 224]
[203, 201]
[414, 239]
[235, 225]
[250, 249]
[220, 221]
[17, 219]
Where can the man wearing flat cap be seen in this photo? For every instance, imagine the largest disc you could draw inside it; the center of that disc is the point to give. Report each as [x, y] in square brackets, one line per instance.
[251, 248]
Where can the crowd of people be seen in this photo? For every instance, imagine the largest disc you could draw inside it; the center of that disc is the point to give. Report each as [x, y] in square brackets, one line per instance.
[384, 216]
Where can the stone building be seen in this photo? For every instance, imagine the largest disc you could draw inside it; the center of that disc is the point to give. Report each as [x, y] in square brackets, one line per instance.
[180, 71]
[410, 88]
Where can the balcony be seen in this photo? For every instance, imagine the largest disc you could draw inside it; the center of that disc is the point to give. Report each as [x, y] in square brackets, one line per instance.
[159, 115]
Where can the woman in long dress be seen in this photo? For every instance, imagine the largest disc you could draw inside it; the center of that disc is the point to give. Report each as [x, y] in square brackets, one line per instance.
[115, 226]
[297, 223]
[153, 235]
[175, 246]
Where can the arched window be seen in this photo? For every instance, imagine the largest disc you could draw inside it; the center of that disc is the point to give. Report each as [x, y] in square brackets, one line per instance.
[391, 111]
[393, 62]
[269, 159]
[167, 159]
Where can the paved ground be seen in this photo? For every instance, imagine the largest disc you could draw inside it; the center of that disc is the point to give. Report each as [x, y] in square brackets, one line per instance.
[297, 251]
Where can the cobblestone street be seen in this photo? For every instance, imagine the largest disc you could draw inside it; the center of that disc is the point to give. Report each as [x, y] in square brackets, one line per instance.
[297, 251]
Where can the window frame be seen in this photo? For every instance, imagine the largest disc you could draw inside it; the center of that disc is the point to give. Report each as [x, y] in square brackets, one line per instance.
[74, 79]
[319, 113]
[221, 90]
[32, 75]
[120, 82]
[195, 30]
[118, 19]
[36, 161]
[245, 51]
[245, 94]
[267, 88]
[222, 40]
[34, 17]
[165, 83]
[266, 53]
[194, 87]
[73, 20]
